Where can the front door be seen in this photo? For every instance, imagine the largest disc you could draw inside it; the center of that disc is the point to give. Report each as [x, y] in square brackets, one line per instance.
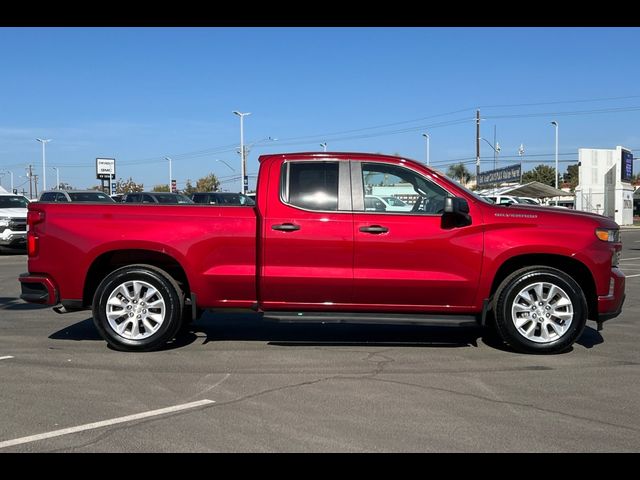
[407, 260]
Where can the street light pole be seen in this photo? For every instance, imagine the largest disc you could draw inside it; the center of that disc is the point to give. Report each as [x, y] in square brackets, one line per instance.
[426, 135]
[57, 177]
[555, 124]
[222, 161]
[243, 168]
[44, 171]
[170, 174]
[324, 146]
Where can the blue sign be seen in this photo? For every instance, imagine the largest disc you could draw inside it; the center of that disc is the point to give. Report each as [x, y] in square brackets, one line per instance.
[500, 175]
[626, 166]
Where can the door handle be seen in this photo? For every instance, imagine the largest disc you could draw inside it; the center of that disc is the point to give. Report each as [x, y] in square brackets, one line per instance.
[375, 229]
[286, 227]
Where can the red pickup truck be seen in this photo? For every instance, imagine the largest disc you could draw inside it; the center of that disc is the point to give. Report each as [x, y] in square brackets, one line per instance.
[313, 250]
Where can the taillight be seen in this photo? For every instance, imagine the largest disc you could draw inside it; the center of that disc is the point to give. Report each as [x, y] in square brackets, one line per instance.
[34, 217]
[32, 244]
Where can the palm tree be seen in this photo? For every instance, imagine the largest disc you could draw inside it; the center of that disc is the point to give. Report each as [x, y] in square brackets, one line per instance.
[459, 172]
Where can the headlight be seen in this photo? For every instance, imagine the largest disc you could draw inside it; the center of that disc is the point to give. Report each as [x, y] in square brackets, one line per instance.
[608, 235]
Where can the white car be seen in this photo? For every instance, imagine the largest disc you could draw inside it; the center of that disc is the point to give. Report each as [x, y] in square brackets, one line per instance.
[13, 220]
[390, 203]
[510, 199]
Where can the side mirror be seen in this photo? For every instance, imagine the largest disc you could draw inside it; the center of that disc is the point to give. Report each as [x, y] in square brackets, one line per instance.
[456, 205]
[456, 212]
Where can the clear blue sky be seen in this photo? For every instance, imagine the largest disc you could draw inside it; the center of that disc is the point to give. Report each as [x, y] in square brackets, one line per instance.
[140, 94]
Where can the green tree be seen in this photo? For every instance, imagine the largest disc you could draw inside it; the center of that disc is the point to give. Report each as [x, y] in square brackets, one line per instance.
[209, 183]
[459, 172]
[160, 188]
[542, 173]
[571, 177]
[128, 186]
[189, 188]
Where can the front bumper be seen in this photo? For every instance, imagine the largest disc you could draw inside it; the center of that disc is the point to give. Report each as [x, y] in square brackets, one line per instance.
[10, 238]
[38, 289]
[610, 305]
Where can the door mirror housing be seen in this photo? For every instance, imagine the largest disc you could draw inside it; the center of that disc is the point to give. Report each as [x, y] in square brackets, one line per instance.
[456, 212]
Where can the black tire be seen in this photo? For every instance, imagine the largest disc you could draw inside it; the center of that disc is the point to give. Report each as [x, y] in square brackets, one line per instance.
[169, 294]
[538, 340]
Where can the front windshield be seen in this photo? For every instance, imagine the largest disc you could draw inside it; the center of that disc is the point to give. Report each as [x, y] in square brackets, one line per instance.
[458, 184]
[13, 201]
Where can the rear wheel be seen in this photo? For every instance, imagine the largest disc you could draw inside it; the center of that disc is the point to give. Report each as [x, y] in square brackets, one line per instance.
[138, 308]
[540, 310]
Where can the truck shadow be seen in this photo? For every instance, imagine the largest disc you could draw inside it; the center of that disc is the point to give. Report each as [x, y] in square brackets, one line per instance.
[15, 303]
[247, 327]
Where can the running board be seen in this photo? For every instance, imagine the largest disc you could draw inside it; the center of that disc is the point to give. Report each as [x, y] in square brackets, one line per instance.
[380, 318]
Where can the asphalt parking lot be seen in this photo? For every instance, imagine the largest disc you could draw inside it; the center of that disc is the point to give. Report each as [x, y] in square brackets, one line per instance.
[236, 384]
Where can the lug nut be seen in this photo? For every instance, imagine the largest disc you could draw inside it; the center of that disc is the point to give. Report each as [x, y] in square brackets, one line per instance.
[131, 314]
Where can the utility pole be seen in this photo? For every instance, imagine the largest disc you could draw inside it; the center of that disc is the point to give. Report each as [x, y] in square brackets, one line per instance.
[477, 147]
[35, 184]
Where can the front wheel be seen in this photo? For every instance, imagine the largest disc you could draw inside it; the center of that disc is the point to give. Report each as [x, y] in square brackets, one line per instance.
[540, 310]
[137, 308]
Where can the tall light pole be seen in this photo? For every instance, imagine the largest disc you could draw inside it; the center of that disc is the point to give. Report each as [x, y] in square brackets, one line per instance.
[170, 174]
[324, 146]
[222, 161]
[10, 173]
[243, 168]
[496, 149]
[57, 177]
[44, 171]
[555, 124]
[426, 135]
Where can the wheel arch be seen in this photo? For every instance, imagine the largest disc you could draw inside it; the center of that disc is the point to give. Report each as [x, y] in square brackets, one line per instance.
[109, 261]
[572, 267]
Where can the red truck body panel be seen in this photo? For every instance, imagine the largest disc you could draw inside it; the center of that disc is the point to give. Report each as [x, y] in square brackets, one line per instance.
[232, 256]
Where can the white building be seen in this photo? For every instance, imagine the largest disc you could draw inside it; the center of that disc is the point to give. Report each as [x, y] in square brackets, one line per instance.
[604, 185]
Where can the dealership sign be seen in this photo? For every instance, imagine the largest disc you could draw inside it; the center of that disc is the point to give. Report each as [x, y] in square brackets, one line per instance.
[105, 168]
[500, 175]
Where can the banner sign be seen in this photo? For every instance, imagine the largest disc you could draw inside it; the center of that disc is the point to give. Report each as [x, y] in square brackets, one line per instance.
[500, 175]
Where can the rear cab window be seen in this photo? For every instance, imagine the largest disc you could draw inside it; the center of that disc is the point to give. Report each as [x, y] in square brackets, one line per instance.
[311, 185]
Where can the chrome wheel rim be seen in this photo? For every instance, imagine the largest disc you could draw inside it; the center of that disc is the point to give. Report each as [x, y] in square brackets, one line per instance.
[542, 312]
[135, 310]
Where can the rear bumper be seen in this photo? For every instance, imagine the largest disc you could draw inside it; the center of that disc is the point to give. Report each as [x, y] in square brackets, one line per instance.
[610, 305]
[38, 289]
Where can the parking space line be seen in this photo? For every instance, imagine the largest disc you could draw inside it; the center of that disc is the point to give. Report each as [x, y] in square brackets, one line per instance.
[6, 357]
[636, 275]
[105, 423]
[634, 258]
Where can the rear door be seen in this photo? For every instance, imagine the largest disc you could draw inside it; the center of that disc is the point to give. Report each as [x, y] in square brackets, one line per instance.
[307, 234]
